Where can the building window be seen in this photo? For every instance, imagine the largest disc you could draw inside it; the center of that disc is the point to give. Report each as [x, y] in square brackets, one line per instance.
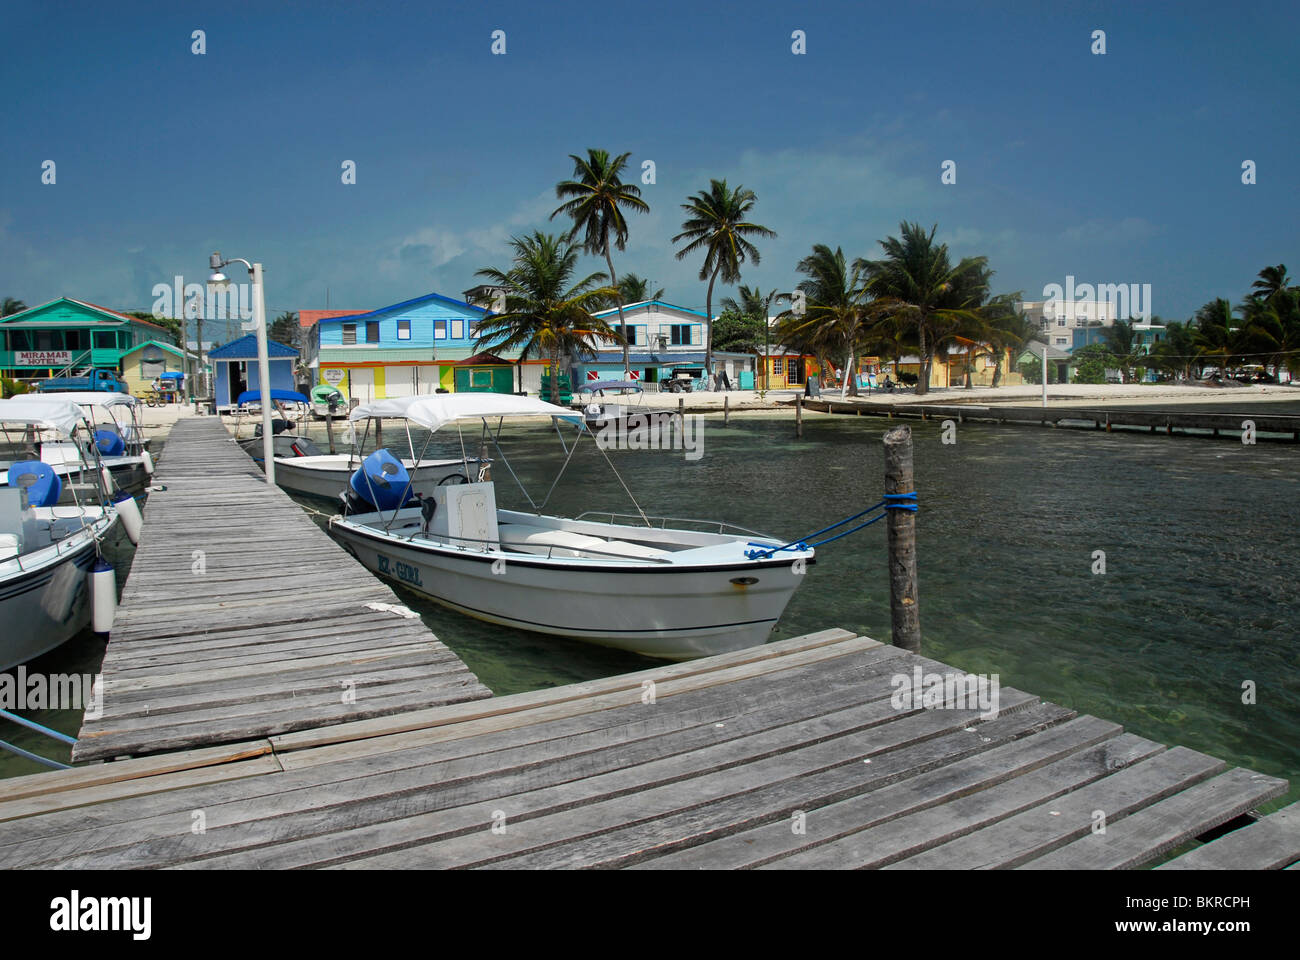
[778, 367]
[372, 331]
[628, 332]
[403, 329]
[473, 329]
[458, 329]
[440, 329]
[349, 334]
[680, 334]
[1060, 323]
[1061, 341]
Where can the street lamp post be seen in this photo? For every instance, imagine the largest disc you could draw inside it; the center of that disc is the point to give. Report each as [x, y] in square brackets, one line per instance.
[219, 281]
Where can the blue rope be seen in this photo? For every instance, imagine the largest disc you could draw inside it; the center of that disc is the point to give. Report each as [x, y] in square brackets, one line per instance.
[32, 756]
[891, 501]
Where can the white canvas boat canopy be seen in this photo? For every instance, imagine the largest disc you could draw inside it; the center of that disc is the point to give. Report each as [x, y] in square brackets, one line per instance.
[436, 410]
[92, 398]
[48, 413]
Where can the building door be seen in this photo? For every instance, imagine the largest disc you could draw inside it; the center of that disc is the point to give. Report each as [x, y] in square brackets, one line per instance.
[400, 381]
[361, 384]
[797, 374]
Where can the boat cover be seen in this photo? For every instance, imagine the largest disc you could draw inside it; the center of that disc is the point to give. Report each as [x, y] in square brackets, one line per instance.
[437, 410]
[284, 396]
[44, 489]
[46, 412]
[102, 398]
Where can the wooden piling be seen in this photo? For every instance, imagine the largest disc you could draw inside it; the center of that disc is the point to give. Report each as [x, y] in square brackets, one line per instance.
[904, 607]
[798, 415]
[329, 430]
[726, 408]
[379, 433]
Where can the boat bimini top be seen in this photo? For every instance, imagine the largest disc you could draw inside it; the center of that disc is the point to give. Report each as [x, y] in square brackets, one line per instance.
[432, 411]
[53, 412]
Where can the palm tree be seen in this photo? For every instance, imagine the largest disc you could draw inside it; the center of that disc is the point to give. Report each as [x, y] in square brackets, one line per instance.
[11, 306]
[1010, 330]
[835, 305]
[1176, 354]
[716, 224]
[595, 199]
[1271, 281]
[546, 313]
[755, 304]
[635, 289]
[1122, 342]
[1214, 335]
[916, 282]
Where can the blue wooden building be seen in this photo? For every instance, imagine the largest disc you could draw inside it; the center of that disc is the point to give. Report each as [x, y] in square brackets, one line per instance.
[235, 368]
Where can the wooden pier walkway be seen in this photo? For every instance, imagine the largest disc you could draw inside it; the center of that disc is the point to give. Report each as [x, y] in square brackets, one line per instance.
[789, 755]
[241, 619]
[1284, 427]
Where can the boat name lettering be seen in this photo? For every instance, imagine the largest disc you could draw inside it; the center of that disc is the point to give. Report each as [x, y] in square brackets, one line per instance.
[403, 571]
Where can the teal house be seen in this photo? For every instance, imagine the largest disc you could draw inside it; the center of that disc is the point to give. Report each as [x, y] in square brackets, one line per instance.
[66, 337]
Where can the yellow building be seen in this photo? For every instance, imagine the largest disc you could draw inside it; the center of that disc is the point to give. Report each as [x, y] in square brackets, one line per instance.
[142, 364]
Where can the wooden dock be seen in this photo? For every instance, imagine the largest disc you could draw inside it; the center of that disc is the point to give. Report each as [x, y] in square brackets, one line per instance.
[242, 619]
[789, 755]
[1285, 427]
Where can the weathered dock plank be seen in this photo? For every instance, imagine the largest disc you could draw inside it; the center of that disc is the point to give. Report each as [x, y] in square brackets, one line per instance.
[794, 754]
[1270, 843]
[223, 633]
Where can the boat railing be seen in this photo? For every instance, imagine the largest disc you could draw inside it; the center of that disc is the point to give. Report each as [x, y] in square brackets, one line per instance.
[45, 731]
[663, 522]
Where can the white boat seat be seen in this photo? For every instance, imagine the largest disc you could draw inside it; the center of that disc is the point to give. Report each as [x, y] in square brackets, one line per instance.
[564, 543]
[10, 544]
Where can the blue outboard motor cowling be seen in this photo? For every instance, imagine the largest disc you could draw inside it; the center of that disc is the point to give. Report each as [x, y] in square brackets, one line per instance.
[382, 481]
[43, 485]
[110, 443]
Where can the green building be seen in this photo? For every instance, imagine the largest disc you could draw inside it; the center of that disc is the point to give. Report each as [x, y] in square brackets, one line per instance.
[66, 337]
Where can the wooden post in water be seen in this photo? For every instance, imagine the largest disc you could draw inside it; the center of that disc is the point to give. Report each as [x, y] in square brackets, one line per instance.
[726, 408]
[681, 415]
[798, 415]
[379, 433]
[329, 429]
[904, 608]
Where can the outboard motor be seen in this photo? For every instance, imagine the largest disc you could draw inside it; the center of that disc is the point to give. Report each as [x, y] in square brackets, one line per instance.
[110, 443]
[41, 482]
[382, 481]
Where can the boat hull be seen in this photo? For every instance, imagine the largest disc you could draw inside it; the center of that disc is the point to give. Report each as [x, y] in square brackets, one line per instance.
[46, 604]
[664, 611]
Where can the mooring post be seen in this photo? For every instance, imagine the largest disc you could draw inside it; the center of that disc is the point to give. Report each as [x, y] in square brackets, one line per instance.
[904, 607]
[681, 414]
[726, 408]
[379, 433]
[798, 415]
[329, 429]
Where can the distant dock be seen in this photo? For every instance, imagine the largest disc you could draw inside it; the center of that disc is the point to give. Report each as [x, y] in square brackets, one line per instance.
[241, 618]
[1283, 427]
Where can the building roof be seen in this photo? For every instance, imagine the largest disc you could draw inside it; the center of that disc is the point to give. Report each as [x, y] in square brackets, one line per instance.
[410, 303]
[1036, 347]
[170, 348]
[483, 359]
[109, 315]
[647, 303]
[245, 348]
[309, 318]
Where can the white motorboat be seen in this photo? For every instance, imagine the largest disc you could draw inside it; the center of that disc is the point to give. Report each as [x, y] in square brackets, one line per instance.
[616, 407]
[674, 589]
[119, 442]
[301, 466]
[47, 551]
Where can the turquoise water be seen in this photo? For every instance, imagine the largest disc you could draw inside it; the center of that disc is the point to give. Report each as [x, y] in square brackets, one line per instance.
[1199, 593]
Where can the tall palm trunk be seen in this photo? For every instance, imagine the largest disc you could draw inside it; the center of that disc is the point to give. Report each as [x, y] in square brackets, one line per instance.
[708, 328]
[555, 373]
[613, 282]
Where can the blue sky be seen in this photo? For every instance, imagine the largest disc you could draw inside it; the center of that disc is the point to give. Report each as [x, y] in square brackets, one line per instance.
[1122, 168]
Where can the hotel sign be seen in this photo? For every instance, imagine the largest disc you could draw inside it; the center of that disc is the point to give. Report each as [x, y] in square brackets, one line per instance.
[42, 358]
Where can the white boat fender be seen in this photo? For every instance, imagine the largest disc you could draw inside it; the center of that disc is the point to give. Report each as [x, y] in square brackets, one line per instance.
[129, 511]
[107, 477]
[148, 462]
[103, 593]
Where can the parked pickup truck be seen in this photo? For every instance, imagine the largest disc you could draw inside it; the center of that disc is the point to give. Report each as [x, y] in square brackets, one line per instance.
[101, 380]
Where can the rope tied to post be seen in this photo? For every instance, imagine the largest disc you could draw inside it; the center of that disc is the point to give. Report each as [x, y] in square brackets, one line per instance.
[890, 501]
